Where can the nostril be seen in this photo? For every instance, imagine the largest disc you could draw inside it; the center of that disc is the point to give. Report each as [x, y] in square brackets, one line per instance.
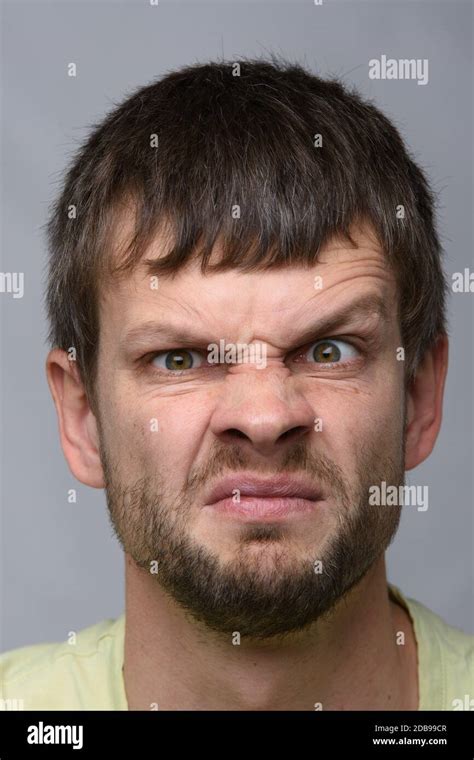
[293, 432]
[236, 433]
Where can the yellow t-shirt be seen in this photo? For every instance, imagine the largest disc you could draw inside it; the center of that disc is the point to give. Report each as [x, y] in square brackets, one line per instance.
[88, 675]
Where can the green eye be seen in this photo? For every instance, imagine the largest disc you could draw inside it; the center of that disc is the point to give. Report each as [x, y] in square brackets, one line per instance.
[326, 351]
[179, 360]
[331, 351]
[176, 360]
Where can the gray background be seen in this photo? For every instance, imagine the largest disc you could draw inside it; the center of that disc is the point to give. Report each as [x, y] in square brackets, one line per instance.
[61, 567]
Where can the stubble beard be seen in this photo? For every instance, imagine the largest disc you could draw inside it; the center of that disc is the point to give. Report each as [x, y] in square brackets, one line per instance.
[268, 589]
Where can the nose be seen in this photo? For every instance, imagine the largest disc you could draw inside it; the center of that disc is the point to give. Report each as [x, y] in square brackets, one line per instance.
[263, 411]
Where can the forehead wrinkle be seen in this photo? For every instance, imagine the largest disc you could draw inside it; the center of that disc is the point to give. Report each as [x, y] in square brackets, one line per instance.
[368, 305]
[232, 322]
[365, 307]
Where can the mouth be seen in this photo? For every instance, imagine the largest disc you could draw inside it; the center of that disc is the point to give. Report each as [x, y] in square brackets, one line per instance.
[256, 499]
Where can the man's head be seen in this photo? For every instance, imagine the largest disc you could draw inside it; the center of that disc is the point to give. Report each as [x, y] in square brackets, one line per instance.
[262, 206]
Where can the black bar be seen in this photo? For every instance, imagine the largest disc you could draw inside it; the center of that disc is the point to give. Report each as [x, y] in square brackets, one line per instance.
[155, 734]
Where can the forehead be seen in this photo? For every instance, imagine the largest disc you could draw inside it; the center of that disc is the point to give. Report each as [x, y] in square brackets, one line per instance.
[236, 299]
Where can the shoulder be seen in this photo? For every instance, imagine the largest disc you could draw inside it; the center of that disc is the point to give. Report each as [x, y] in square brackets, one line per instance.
[454, 650]
[70, 674]
[445, 657]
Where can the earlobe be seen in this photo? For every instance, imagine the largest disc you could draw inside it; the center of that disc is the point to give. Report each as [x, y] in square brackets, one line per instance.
[77, 424]
[425, 404]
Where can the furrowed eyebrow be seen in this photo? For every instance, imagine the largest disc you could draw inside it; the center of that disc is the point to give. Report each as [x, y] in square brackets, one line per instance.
[180, 336]
[366, 306]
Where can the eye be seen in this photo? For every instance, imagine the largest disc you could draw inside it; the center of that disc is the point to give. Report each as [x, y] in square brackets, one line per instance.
[330, 351]
[177, 359]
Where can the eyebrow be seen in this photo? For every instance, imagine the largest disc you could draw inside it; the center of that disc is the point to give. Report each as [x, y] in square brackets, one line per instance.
[369, 305]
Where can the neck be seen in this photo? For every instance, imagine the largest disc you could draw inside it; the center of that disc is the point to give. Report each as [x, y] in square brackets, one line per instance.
[350, 660]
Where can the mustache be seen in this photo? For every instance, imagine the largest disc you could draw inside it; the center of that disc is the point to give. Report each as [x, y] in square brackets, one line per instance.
[299, 460]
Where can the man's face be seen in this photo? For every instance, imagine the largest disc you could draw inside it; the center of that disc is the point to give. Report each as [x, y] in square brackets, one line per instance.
[327, 411]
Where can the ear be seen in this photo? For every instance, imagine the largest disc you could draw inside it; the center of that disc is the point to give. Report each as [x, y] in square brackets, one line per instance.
[425, 404]
[77, 424]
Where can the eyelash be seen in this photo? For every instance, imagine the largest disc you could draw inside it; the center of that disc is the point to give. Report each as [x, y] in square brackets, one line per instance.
[148, 358]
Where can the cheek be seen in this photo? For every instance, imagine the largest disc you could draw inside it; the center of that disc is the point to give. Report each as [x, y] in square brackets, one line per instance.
[160, 432]
[357, 418]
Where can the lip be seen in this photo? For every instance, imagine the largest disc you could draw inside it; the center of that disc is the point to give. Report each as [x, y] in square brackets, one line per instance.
[263, 498]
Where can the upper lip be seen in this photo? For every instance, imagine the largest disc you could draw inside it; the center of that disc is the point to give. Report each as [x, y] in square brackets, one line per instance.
[252, 485]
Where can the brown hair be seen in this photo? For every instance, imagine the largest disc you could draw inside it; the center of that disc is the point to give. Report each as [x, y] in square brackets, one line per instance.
[192, 145]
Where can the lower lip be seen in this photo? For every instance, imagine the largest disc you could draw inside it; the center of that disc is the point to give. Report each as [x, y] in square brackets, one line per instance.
[264, 508]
